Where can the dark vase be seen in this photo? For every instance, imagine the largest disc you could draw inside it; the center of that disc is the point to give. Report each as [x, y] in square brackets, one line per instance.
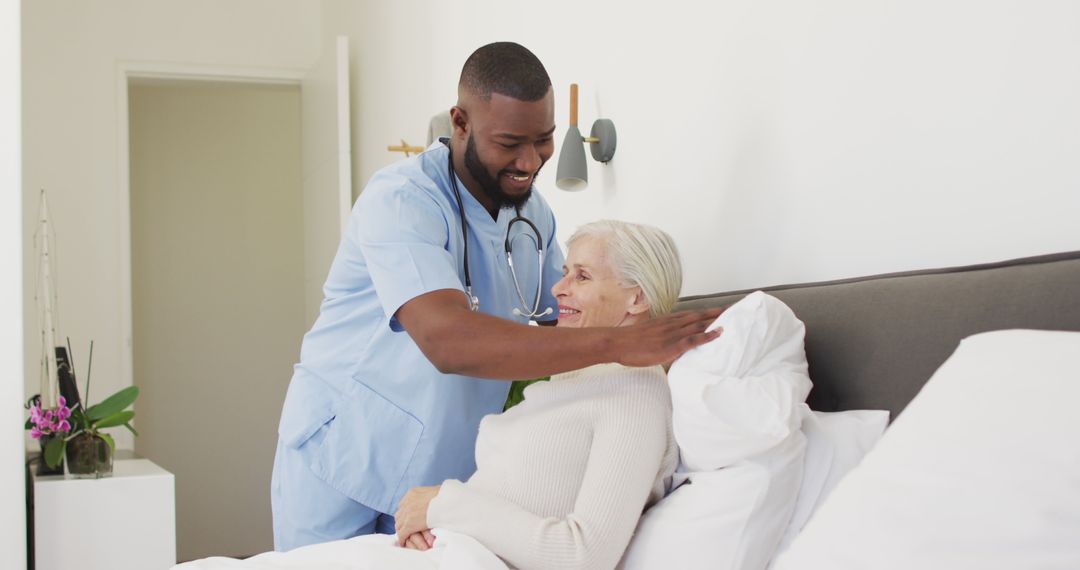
[89, 457]
[43, 468]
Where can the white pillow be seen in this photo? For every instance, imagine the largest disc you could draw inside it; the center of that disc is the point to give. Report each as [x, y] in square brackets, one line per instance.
[835, 443]
[731, 518]
[982, 470]
[740, 394]
[694, 514]
[736, 419]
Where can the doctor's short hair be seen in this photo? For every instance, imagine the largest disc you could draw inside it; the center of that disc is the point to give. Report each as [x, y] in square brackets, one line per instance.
[641, 256]
[506, 68]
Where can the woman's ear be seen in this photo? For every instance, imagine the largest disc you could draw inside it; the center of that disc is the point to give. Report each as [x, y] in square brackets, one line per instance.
[638, 305]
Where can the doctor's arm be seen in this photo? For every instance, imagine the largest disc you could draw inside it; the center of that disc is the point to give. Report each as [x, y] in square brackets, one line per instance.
[459, 341]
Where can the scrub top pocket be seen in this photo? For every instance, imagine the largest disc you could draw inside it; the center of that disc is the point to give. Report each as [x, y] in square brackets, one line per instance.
[358, 463]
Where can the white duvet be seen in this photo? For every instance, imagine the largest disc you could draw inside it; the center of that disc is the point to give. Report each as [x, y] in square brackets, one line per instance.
[452, 551]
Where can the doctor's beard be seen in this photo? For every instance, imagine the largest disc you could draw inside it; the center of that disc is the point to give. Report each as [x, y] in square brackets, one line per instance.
[489, 185]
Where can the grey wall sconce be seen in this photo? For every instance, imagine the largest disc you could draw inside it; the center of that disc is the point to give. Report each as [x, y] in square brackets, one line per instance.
[438, 127]
[573, 172]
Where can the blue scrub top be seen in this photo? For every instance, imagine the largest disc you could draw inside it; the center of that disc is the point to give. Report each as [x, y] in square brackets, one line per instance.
[392, 420]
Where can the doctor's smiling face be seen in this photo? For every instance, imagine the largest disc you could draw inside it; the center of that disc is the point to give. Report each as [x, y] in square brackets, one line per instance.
[503, 124]
[506, 142]
[590, 294]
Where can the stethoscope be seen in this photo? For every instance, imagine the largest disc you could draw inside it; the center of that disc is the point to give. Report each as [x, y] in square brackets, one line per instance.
[474, 301]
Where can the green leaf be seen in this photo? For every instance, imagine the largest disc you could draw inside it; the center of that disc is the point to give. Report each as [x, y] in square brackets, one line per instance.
[131, 429]
[116, 419]
[113, 404]
[517, 391]
[29, 424]
[54, 451]
[109, 440]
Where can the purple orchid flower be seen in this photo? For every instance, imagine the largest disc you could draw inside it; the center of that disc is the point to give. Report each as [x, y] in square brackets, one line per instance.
[42, 422]
[51, 421]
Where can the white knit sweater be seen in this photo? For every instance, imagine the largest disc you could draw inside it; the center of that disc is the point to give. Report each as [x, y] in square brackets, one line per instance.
[563, 477]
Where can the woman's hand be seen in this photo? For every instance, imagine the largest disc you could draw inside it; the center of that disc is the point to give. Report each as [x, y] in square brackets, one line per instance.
[411, 516]
[422, 540]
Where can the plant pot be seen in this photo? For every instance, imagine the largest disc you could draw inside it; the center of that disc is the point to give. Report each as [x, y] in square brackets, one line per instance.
[89, 457]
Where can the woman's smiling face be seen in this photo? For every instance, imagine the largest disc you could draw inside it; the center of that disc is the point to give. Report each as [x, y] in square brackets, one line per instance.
[589, 294]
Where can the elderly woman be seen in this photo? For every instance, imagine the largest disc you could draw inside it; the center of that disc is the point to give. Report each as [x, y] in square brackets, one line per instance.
[563, 477]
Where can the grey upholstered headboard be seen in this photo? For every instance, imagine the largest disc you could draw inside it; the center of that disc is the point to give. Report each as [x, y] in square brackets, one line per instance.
[872, 342]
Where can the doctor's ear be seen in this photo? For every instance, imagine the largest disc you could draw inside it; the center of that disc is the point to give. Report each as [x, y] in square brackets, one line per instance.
[459, 119]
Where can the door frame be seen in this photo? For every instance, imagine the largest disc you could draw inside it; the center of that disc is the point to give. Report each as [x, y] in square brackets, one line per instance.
[125, 72]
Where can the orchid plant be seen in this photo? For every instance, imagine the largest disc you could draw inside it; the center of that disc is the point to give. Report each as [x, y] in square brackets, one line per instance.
[61, 424]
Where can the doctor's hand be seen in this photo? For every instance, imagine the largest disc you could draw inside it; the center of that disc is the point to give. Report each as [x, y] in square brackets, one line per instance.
[663, 339]
[411, 516]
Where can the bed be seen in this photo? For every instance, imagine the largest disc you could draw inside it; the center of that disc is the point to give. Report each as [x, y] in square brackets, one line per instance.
[872, 343]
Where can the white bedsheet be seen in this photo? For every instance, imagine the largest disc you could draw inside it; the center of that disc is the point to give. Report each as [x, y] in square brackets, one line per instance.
[452, 551]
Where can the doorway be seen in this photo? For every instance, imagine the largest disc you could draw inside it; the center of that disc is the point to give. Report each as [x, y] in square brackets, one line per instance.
[218, 295]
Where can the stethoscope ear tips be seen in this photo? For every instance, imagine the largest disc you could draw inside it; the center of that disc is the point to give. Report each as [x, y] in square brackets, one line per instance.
[520, 313]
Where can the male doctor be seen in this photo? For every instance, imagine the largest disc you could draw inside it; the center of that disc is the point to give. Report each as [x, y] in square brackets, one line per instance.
[420, 304]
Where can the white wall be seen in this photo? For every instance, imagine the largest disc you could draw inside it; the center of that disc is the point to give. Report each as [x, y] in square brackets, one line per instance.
[779, 141]
[390, 71]
[12, 499]
[72, 51]
[322, 155]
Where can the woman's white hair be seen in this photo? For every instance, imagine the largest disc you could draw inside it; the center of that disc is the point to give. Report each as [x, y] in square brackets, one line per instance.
[641, 256]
